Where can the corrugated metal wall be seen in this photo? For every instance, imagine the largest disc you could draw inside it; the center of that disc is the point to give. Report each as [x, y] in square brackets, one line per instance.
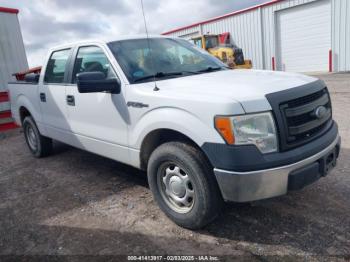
[188, 33]
[341, 35]
[245, 31]
[270, 27]
[255, 32]
[12, 53]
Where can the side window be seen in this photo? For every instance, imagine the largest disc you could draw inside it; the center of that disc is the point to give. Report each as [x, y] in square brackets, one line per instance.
[92, 59]
[56, 66]
[198, 42]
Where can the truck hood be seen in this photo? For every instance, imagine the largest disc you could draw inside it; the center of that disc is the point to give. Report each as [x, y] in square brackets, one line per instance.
[247, 87]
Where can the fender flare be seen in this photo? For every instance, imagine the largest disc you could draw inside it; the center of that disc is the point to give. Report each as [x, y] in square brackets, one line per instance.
[174, 119]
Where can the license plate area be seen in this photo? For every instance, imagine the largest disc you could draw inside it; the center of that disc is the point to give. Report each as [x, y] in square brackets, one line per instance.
[328, 162]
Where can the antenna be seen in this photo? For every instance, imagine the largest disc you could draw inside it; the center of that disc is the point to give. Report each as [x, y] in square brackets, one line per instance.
[149, 46]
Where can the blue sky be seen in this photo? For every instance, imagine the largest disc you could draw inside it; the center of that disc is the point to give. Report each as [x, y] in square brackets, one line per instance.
[47, 23]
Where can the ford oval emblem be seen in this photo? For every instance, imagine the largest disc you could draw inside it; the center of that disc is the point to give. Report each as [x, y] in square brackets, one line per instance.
[320, 112]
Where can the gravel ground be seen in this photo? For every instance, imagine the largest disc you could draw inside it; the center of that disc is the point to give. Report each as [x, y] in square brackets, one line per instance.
[77, 203]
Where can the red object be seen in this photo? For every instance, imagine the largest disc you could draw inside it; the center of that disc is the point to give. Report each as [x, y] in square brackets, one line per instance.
[4, 97]
[223, 16]
[273, 64]
[6, 126]
[224, 38]
[8, 10]
[5, 114]
[20, 76]
[330, 61]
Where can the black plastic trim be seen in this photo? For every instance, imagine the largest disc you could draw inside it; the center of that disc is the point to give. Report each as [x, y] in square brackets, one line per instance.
[21, 83]
[304, 176]
[307, 107]
[295, 130]
[307, 175]
[248, 157]
[275, 100]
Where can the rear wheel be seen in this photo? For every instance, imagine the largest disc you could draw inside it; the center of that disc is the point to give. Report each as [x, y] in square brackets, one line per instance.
[39, 145]
[183, 185]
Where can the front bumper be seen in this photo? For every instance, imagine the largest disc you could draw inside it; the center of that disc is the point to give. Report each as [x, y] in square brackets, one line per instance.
[259, 184]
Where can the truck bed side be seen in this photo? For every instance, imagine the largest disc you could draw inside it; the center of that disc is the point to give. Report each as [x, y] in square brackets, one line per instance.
[24, 99]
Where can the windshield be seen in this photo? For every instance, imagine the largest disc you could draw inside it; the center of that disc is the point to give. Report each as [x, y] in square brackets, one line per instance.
[162, 58]
[211, 41]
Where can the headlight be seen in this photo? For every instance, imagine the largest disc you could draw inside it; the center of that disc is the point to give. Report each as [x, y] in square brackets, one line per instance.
[257, 129]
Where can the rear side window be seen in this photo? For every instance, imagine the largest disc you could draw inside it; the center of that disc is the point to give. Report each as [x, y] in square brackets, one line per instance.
[56, 66]
[92, 59]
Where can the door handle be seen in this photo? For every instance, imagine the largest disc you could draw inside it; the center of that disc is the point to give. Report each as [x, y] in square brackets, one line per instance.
[42, 97]
[70, 100]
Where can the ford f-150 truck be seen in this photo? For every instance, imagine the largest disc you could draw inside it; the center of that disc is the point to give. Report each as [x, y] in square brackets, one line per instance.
[205, 134]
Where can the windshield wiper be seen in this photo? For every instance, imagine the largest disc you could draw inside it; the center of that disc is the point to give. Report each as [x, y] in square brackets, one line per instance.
[190, 72]
[210, 69]
[158, 75]
[162, 74]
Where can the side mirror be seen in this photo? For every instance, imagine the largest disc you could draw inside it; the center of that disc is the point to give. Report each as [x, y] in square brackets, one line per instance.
[93, 82]
[32, 78]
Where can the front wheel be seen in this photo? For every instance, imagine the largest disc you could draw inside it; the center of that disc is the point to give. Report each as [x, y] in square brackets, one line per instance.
[39, 145]
[183, 185]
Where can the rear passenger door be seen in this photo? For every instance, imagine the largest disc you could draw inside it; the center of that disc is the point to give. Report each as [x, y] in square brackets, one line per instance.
[98, 120]
[52, 95]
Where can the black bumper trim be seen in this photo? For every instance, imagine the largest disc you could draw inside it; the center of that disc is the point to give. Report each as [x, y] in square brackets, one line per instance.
[309, 174]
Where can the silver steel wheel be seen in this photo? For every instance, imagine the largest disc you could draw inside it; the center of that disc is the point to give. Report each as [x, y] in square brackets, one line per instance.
[31, 137]
[176, 188]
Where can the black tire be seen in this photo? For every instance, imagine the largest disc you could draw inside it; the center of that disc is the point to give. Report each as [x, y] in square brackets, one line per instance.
[43, 145]
[207, 200]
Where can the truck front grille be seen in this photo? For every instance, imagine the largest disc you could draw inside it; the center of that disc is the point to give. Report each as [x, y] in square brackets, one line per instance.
[302, 114]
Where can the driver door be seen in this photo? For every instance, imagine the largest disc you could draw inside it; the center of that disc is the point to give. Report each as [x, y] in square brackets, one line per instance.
[98, 120]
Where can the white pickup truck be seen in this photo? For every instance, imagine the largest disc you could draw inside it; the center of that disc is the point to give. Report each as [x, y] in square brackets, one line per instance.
[204, 133]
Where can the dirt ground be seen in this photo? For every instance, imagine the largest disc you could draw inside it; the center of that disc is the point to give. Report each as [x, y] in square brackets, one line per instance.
[77, 203]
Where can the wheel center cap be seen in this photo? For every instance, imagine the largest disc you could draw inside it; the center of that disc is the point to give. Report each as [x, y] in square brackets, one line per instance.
[176, 186]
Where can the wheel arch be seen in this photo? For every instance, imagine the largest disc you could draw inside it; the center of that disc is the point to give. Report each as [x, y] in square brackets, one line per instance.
[24, 107]
[23, 113]
[160, 136]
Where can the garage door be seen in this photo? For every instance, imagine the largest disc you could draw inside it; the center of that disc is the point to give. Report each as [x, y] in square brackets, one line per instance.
[304, 37]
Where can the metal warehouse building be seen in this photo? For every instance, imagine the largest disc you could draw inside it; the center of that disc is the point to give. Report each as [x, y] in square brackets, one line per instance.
[288, 35]
[12, 53]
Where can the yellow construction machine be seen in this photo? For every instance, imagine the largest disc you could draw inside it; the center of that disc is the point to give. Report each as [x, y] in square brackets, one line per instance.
[220, 46]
